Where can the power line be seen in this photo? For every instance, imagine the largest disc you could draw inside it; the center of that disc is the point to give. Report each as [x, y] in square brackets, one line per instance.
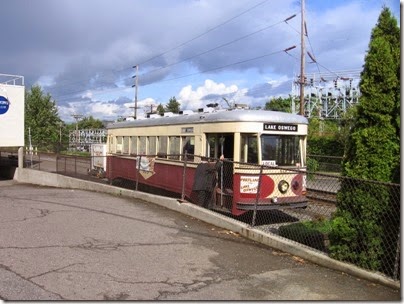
[194, 56]
[203, 34]
[196, 73]
[224, 66]
[220, 46]
[184, 43]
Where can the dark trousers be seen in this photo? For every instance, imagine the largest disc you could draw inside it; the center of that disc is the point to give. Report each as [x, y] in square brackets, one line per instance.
[204, 198]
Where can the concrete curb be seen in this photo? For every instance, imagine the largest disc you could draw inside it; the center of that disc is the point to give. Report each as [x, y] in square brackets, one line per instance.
[42, 178]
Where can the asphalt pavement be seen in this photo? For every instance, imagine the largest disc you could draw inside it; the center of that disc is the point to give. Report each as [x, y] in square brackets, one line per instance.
[64, 244]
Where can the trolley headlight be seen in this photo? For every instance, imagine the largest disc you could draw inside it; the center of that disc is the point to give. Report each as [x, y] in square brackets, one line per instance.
[283, 186]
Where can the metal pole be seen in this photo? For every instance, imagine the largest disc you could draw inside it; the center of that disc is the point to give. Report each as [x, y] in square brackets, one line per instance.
[30, 144]
[397, 259]
[302, 61]
[184, 176]
[135, 85]
[257, 197]
[221, 172]
[137, 172]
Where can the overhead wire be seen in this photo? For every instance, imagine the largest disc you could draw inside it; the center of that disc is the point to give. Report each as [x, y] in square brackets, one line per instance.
[194, 56]
[219, 46]
[203, 34]
[186, 42]
[196, 73]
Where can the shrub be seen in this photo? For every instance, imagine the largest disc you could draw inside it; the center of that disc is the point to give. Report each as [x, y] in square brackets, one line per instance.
[304, 234]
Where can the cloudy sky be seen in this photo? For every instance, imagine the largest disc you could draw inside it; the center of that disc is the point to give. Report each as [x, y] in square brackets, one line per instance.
[82, 52]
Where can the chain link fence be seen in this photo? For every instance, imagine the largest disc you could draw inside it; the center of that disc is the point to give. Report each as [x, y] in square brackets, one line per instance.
[355, 221]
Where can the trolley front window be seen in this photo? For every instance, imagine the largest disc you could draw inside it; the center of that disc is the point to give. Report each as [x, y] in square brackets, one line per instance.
[281, 150]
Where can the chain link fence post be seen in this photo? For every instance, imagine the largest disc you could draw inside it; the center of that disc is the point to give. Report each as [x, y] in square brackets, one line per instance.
[139, 160]
[184, 176]
[257, 197]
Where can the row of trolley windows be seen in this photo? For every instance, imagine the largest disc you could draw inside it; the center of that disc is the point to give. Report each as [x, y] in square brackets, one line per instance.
[279, 150]
[161, 146]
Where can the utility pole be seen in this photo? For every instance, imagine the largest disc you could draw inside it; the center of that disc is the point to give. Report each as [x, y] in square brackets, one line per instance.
[135, 85]
[302, 54]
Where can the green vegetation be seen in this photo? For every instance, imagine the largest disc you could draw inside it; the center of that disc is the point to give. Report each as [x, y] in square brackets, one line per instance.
[41, 120]
[279, 104]
[48, 132]
[173, 105]
[310, 233]
[160, 109]
[368, 218]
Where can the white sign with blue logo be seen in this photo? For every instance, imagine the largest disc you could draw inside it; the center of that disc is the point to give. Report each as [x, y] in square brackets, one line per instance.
[12, 99]
[4, 104]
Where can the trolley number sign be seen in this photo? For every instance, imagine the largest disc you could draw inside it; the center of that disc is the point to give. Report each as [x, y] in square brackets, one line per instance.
[280, 127]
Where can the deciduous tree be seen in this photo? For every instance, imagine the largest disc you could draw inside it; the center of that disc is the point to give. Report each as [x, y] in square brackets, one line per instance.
[279, 104]
[42, 118]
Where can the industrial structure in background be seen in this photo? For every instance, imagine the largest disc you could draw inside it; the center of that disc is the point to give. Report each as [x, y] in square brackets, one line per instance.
[327, 96]
[81, 140]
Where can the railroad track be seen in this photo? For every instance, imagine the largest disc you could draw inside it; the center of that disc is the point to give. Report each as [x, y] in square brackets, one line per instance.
[321, 196]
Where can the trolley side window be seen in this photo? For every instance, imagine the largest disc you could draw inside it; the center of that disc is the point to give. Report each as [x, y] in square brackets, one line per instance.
[188, 146]
[249, 148]
[212, 145]
[125, 145]
[174, 142]
[280, 150]
[133, 145]
[111, 144]
[152, 145]
[119, 144]
[162, 147]
[142, 145]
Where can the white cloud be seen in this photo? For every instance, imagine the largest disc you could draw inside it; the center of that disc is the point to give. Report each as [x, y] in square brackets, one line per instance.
[278, 81]
[193, 99]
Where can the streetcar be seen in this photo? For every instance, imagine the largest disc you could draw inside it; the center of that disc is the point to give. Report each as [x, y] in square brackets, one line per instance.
[264, 164]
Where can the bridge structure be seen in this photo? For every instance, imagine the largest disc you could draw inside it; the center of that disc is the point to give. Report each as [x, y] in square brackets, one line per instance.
[327, 95]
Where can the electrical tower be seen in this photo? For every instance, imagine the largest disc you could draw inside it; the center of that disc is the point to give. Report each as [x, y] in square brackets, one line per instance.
[327, 95]
[76, 135]
[82, 139]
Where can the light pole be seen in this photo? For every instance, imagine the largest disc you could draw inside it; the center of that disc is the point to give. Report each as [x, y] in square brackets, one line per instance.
[135, 85]
[302, 54]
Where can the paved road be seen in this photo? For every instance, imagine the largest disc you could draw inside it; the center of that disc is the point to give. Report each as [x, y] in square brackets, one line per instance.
[78, 245]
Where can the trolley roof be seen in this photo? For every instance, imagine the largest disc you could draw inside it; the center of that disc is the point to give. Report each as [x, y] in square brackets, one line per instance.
[218, 116]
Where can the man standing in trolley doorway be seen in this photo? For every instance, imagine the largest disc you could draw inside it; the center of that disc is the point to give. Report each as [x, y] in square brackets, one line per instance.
[205, 181]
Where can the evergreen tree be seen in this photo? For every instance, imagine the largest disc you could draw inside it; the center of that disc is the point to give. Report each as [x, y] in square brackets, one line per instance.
[173, 105]
[160, 109]
[374, 144]
[41, 116]
[366, 223]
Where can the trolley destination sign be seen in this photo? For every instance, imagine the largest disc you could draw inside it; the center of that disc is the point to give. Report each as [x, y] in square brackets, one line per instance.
[280, 127]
